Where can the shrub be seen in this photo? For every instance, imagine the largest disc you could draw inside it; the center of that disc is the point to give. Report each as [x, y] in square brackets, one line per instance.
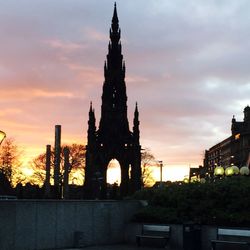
[224, 202]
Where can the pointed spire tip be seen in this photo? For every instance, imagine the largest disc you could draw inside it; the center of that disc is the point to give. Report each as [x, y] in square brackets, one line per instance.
[136, 107]
[115, 17]
[90, 108]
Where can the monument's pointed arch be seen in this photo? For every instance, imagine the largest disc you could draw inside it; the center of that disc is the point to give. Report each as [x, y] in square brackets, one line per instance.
[114, 172]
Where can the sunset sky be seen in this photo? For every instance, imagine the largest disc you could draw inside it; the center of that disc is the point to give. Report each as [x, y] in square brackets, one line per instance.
[187, 66]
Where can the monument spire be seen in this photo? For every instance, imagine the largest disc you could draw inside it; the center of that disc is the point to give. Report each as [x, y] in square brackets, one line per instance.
[113, 139]
[114, 97]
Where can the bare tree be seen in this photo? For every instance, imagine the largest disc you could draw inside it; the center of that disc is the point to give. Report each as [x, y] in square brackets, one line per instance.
[9, 158]
[147, 162]
[18, 177]
[76, 160]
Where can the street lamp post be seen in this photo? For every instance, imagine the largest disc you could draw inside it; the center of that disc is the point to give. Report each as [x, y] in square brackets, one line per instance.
[2, 136]
[161, 165]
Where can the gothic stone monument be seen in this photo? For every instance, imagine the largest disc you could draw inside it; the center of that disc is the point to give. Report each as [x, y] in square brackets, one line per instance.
[113, 139]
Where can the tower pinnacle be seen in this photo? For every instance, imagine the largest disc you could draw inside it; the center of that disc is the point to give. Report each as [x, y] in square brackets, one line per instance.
[90, 107]
[115, 17]
[136, 131]
[115, 30]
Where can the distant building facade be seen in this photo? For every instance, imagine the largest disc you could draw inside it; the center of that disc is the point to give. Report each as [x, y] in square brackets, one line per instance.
[233, 150]
[196, 174]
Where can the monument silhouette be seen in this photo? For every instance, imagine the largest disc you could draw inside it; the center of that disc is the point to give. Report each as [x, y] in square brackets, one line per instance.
[113, 139]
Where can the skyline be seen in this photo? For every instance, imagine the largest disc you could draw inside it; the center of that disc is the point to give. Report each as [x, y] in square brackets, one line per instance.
[188, 73]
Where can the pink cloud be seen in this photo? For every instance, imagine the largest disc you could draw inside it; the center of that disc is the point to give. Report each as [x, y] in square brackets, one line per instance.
[95, 35]
[64, 46]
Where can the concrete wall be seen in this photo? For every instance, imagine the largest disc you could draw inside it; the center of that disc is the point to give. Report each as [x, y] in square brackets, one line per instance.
[40, 224]
[30, 225]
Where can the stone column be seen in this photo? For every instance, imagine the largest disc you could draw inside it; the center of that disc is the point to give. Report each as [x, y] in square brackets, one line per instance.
[124, 180]
[66, 173]
[136, 174]
[57, 161]
[47, 178]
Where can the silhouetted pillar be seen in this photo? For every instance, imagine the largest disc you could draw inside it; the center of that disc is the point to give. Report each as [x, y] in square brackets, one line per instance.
[103, 182]
[66, 173]
[124, 181]
[136, 175]
[57, 160]
[47, 178]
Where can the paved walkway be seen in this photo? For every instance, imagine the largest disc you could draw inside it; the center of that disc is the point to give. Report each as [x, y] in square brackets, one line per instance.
[121, 247]
[117, 247]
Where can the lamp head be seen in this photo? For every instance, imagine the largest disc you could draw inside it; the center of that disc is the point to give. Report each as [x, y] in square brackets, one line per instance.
[2, 136]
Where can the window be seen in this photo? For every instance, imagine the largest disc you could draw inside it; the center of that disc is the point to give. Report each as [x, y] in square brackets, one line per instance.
[237, 137]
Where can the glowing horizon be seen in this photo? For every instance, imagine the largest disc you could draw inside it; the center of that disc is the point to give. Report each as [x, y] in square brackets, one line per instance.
[188, 77]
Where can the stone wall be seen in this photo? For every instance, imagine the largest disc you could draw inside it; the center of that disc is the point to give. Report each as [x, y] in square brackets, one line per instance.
[48, 224]
[40, 224]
